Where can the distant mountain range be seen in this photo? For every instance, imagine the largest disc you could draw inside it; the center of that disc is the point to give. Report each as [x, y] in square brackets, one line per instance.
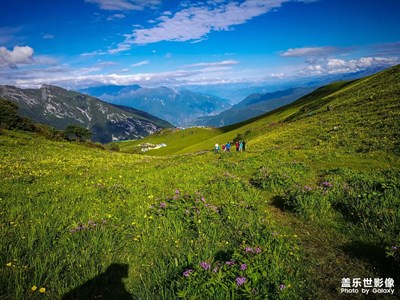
[58, 107]
[178, 107]
[254, 105]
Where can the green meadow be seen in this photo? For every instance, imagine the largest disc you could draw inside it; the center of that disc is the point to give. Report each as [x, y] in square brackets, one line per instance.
[315, 198]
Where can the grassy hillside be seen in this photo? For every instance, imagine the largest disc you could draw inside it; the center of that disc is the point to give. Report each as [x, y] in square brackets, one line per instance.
[315, 199]
[175, 139]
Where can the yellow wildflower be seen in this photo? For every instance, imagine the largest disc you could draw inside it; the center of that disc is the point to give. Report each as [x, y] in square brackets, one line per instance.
[34, 288]
[42, 290]
[9, 264]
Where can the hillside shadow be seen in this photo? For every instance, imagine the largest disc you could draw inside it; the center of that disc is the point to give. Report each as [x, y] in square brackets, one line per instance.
[375, 255]
[279, 202]
[106, 286]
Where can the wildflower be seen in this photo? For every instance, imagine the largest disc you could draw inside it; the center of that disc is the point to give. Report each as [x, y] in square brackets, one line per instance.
[240, 281]
[282, 287]
[327, 184]
[230, 262]
[395, 248]
[258, 250]
[275, 233]
[177, 192]
[215, 270]
[307, 188]
[243, 267]
[205, 265]
[203, 199]
[9, 264]
[34, 288]
[187, 272]
[42, 290]
[163, 205]
[248, 249]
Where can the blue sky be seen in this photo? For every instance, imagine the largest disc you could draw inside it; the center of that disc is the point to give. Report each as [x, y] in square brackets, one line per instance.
[82, 43]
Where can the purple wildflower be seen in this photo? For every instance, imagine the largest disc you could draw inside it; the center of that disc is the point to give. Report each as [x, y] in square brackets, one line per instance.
[203, 199]
[282, 287]
[307, 188]
[230, 262]
[163, 205]
[395, 248]
[243, 267]
[258, 250]
[187, 272]
[177, 192]
[205, 265]
[249, 249]
[215, 270]
[327, 184]
[240, 280]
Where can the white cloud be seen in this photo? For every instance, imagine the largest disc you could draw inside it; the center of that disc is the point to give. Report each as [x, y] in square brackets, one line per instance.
[116, 16]
[213, 64]
[310, 51]
[278, 75]
[77, 78]
[195, 21]
[48, 36]
[141, 63]
[8, 34]
[17, 56]
[106, 63]
[341, 66]
[94, 53]
[387, 49]
[125, 4]
[121, 47]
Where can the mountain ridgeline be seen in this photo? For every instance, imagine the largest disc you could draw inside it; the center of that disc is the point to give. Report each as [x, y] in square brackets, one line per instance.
[358, 115]
[58, 107]
[252, 106]
[178, 107]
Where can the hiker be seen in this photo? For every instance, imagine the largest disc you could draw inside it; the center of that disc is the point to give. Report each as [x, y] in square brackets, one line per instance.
[241, 146]
[228, 147]
[216, 148]
[223, 148]
[237, 145]
[244, 146]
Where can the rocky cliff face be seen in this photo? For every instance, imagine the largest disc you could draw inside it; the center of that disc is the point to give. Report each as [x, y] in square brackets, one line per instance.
[58, 107]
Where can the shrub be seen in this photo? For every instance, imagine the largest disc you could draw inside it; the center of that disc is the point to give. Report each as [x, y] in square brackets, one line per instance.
[307, 202]
[9, 118]
[76, 132]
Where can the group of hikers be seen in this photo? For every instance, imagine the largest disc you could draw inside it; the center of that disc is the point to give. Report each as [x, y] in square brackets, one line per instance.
[240, 146]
